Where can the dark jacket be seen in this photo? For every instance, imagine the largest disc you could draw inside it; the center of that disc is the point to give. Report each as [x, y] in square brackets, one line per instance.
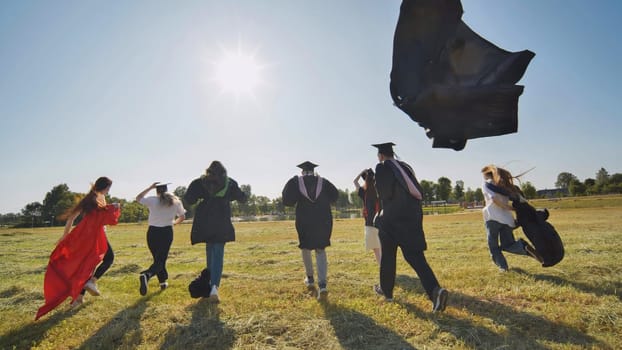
[212, 218]
[402, 215]
[314, 219]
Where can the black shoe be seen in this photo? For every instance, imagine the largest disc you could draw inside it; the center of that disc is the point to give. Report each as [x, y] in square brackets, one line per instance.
[163, 285]
[440, 299]
[143, 283]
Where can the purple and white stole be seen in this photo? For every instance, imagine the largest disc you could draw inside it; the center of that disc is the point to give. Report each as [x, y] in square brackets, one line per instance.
[303, 189]
[409, 183]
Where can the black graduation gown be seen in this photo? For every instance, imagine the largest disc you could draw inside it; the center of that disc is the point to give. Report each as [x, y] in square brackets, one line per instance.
[314, 220]
[402, 214]
[454, 83]
[212, 218]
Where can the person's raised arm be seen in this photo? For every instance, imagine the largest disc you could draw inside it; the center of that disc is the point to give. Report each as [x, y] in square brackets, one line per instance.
[143, 193]
[356, 180]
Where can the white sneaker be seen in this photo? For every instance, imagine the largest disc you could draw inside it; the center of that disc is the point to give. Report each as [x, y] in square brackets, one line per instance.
[309, 282]
[213, 295]
[322, 294]
[91, 287]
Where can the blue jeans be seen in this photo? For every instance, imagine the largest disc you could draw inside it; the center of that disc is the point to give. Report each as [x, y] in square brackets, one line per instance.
[500, 237]
[215, 253]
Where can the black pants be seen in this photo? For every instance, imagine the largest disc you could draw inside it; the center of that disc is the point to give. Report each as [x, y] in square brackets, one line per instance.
[415, 259]
[104, 265]
[159, 240]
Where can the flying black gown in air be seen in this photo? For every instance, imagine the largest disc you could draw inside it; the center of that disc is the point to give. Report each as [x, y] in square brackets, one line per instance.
[454, 83]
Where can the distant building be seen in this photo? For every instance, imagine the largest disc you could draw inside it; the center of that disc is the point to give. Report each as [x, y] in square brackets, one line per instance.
[552, 193]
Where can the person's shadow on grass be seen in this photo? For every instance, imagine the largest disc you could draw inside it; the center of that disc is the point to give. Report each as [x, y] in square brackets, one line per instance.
[32, 333]
[205, 331]
[356, 331]
[123, 330]
[597, 289]
[516, 328]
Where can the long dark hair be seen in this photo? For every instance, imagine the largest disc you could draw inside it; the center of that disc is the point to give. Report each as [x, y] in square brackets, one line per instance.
[90, 202]
[370, 185]
[215, 177]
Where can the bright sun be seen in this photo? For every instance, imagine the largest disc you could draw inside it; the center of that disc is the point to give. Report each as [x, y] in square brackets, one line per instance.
[238, 73]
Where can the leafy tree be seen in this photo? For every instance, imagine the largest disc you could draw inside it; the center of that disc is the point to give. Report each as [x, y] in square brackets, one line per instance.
[576, 188]
[249, 207]
[180, 191]
[263, 205]
[56, 202]
[31, 215]
[528, 190]
[133, 212]
[9, 219]
[427, 188]
[356, 201]
[277, 205]
[458, 193]
[615, 178]
[469, 195]
[602, 177]
[478, 195]
[444, 188]
[564, 179]
[343, 200]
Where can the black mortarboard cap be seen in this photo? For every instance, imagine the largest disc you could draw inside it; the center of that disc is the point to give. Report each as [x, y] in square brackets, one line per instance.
[162, 187]
[307, 166]
[385, 148]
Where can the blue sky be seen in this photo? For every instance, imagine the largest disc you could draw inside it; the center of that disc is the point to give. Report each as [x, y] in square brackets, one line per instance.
[127, 90]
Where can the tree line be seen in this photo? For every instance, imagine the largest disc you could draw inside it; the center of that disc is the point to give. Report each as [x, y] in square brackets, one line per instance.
[603, 183]
[60, 198]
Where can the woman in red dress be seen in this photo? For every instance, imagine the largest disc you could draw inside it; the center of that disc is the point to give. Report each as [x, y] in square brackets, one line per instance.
[70, 269]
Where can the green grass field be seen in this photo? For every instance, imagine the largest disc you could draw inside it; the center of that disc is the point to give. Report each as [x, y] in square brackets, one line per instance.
[576, 304]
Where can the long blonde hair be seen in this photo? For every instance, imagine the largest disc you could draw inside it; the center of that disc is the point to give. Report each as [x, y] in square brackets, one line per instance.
[500, 177]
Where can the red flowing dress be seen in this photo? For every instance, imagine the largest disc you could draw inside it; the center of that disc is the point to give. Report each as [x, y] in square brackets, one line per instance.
[74, 259]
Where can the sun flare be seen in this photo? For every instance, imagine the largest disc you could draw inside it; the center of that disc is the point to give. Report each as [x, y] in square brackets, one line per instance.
[238, 73]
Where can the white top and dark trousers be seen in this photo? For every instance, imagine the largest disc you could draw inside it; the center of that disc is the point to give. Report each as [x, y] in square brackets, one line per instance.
[160, 234]
[499, 226]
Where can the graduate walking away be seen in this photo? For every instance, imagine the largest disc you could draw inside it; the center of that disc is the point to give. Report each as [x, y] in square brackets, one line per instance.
[165, 210]
[401, 225]
[212, 225]
[70, 269]
[312, 195]
[499, 219]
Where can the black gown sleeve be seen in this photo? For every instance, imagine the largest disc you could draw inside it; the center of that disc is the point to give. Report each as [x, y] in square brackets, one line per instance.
[194, 192]
[290, 192]
[331, 191]
[235, 193]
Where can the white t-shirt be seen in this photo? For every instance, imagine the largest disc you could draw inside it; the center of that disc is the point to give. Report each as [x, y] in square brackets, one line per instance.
[494, 212]
[162, 215]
